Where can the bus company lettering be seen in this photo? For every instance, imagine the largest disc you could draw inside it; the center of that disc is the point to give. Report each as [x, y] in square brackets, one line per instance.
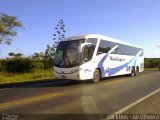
[116, 58]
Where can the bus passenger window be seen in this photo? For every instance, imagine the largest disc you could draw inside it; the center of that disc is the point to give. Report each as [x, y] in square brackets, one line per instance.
[104, 47]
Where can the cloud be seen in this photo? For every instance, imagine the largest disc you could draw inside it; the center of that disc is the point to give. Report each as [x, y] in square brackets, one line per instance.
[158, 45]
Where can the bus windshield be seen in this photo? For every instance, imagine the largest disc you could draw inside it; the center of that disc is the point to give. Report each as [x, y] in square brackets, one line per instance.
[68, 54]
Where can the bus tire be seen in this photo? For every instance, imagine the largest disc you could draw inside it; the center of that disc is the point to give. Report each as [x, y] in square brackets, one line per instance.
[132, 72]
[96, 76]
[137, 71]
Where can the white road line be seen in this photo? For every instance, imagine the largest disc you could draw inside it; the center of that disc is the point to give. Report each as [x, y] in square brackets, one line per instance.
[90, 108]
[131, 105]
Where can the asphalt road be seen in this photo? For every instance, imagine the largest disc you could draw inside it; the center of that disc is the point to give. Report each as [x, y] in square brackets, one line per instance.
[83, 100]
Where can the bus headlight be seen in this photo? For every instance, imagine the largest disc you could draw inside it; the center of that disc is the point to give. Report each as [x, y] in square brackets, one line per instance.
[76, 70]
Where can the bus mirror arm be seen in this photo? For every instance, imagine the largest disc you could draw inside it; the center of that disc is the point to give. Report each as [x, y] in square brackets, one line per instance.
[115, 47]
[82, 45]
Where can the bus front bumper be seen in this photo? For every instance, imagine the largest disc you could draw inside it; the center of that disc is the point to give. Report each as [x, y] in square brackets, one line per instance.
[80, 75]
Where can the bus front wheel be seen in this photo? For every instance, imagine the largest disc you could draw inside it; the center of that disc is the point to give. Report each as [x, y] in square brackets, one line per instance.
[132, 72]
[96, 76]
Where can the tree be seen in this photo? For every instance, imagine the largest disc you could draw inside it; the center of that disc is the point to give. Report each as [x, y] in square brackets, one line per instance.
[19, 55]
[50, 50]
[12, 54]
[38, 56]
[49, 53]
[48, 57]
[37, 60]
[59, 35]
[8, 28]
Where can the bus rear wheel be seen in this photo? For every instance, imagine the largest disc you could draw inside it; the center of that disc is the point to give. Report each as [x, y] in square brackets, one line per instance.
[96, 76]
[137, 71]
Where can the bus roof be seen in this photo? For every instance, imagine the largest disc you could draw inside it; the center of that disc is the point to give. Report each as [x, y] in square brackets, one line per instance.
[99, 37]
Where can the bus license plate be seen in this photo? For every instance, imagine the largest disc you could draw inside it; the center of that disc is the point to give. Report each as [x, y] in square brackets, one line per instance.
[63, 76]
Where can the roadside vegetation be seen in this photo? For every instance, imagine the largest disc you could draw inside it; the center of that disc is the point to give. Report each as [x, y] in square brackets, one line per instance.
[151, 63]
[40, 67]
[20, 69]
[23, 77]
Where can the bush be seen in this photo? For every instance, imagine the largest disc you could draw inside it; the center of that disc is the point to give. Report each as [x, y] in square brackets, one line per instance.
[21, 65]
[37, 64]
[151, 62]
[48, 63]
[2, 65]
[16, 65]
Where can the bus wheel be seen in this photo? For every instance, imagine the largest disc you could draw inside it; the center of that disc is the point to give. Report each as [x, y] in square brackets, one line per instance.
[137, 71]
[96, 76]
[132, 72]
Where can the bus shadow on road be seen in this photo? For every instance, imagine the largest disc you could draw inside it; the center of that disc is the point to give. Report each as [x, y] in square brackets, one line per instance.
[43, 83]
[153, 70]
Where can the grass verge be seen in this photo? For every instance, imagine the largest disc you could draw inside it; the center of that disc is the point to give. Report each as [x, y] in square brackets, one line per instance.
[151, 69]
[23, 77]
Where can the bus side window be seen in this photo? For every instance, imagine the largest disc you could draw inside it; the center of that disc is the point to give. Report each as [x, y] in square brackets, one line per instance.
[115, 51]
[104, 47]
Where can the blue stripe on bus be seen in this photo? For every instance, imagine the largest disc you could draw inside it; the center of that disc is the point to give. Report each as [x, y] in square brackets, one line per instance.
[113, 70]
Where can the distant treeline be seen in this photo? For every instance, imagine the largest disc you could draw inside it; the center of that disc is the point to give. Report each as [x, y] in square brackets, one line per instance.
[151, 62]
[30, 64]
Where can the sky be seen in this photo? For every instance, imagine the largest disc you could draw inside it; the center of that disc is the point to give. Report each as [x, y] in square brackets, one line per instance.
[133, 21]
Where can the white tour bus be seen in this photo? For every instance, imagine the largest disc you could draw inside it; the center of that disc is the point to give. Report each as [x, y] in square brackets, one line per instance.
[95, 56]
